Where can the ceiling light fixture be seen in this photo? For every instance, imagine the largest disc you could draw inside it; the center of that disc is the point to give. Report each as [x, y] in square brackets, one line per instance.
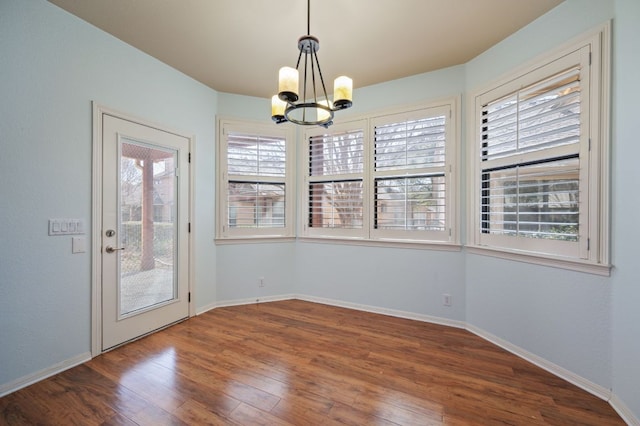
[309, 111]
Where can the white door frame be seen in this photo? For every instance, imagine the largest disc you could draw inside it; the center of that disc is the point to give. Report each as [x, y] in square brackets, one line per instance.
[96, 219]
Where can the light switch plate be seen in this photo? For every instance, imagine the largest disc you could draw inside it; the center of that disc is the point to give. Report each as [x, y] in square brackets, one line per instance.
[66, 226]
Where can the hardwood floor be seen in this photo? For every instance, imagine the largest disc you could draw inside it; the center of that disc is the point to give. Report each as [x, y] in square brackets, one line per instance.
[301, 363]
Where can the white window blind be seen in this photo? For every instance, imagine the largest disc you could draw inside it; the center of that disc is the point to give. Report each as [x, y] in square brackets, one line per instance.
[530, 160]
[388, 178]
[541, 116]
[254, 195]
[259, 156]
[540, 179]
[410, 144]
[335, 187]
[256, 166]
[255, 204]
[409, 169]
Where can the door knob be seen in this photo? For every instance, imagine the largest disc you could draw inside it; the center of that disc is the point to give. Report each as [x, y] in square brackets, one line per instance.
[110, 249]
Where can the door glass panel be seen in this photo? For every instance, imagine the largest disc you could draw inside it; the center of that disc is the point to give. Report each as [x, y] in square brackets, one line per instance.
[147, 223]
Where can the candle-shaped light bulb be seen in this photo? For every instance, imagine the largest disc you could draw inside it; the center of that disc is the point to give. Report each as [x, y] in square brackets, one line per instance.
[277, 108]
[288, 84]
[323, 114]
[342, 92]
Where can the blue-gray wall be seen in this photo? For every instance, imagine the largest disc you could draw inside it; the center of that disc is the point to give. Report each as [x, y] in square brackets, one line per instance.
[562, 316]
[625, 280]
[53, 65]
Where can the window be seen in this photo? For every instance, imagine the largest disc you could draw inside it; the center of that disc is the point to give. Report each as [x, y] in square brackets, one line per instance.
[254, 181]
[335, 181]
[387, 178]
[410, 175]
[540, 160]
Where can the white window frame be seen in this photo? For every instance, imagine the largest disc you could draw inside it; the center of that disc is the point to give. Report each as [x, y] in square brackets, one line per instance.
[368, 235]
[303, 193]
[447, 170]
[226, 234]
[591, 252]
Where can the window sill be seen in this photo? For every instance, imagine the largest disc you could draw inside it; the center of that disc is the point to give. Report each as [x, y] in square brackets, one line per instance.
[253, 240]
[410, 244]
[538, 259]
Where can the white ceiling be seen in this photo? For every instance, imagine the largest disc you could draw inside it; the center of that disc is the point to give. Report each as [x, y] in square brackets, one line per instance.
[237, 46]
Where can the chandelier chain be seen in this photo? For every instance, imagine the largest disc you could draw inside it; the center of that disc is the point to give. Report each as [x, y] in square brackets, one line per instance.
[308, 17]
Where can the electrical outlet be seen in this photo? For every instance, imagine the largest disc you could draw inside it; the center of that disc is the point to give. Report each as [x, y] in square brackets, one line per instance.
[261, 282]
[446, 299]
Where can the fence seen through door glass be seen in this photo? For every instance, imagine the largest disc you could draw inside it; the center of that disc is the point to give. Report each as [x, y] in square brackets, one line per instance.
[147, 227]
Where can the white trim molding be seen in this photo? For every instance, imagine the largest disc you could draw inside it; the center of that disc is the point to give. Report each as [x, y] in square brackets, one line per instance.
[233, 131]
[98, 111]
[362, 131]
[29, 379]
[383, 311]
[572, 265]
[593, 388]
[624, 411]
[590, 253]
[245, 301]
[338, 303]
[408, 244]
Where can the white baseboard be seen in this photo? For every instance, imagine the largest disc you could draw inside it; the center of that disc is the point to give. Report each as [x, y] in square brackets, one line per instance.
[247, 301]
[383, 311]
[593, 388]
[624, 411]
[206, 308]
[32, 378]
[339, 303]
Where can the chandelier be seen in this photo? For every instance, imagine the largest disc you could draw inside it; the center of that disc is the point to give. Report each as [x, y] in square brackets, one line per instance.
[310, 110]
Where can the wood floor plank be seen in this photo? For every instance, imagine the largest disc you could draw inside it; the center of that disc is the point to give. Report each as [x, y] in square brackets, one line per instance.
[195, 413]
[424, 407]
[342, 414]
[301, 407]
[119, 420]
[248, 415]
[146, 381]
[300, 363]
[156, 416]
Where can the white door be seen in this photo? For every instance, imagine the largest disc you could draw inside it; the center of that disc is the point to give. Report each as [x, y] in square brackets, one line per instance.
[145, 219]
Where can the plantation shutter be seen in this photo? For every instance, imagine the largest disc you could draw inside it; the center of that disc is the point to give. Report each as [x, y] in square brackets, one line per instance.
[336, 164]
[530, 160]
[409, 169]
[256, 167]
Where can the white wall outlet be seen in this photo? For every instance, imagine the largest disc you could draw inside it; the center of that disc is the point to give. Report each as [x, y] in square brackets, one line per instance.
[446, 299]
[78, 245]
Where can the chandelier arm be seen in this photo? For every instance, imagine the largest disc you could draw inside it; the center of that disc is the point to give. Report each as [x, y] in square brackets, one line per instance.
[299, 56]
[324, 89]
[304, 87]
[313, 79]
